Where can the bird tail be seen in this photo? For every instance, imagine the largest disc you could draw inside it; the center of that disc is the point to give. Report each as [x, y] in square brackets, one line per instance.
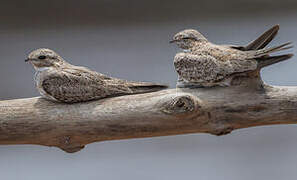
[267, 51]
[145, 87]
[263, 40]
[268, 60]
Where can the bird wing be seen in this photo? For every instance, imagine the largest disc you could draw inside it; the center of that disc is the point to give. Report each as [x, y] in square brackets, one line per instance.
[77, 84]
[241, 64]
[121, 86]
[242, 61]
[206, 68]
[259, 43]
[198, 68]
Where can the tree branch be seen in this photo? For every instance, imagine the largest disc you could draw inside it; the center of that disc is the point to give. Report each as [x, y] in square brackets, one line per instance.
[216, 110]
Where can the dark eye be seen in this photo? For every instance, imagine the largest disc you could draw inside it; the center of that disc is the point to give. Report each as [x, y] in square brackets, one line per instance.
[41, 57]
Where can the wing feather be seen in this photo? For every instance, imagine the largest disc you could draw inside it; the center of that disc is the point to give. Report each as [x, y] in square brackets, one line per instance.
[197, 68]
[205, 68]
[80, 84]
[262, 41]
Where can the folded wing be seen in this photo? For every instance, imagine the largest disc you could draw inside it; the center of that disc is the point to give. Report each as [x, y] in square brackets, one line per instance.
[78, 84]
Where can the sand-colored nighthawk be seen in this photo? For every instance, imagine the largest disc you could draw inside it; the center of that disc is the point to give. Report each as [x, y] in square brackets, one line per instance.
[204, 64]
[60, 81]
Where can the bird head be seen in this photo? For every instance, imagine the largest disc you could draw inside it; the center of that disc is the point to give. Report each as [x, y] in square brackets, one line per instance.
[186, 39]
[41, 58]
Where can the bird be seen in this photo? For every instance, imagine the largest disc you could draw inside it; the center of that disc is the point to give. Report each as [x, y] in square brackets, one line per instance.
[57, 80]
[205, 64]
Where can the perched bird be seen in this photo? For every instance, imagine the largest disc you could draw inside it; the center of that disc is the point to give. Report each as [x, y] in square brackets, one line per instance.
[60, 81]
[204, 64]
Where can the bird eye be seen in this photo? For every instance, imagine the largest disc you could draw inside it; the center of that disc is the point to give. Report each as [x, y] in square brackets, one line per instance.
[41, 57]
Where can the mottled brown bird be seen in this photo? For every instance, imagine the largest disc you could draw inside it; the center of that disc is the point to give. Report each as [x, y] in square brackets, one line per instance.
[204, 64]
[60, 81]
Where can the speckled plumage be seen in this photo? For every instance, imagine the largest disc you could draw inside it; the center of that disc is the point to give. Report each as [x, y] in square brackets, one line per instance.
[60, 81]
[206, 64]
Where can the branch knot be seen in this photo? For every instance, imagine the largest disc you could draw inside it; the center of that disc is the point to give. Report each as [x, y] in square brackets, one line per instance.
[179, 105]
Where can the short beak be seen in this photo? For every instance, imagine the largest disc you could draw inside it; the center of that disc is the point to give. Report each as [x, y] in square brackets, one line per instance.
[172, 41]
[26, 60]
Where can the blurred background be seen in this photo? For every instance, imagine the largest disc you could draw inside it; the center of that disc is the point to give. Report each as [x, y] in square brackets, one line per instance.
[129, 39]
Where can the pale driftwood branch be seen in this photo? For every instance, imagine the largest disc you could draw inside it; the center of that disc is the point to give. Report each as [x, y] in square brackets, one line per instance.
[169, 112]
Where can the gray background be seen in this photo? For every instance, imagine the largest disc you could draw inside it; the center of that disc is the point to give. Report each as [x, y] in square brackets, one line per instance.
[129, 39]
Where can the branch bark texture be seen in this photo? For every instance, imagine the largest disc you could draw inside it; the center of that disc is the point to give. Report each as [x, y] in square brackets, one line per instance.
[216, 110]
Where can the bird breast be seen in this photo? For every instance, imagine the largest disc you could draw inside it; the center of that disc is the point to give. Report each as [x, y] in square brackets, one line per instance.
[38, 78]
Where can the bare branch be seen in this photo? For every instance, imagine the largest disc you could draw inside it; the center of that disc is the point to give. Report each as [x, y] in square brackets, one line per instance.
[169, 112]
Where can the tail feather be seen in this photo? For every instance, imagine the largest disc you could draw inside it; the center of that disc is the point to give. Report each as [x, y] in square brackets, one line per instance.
[144, 87]
[267, 51]
[263, 40]
[268, 60]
